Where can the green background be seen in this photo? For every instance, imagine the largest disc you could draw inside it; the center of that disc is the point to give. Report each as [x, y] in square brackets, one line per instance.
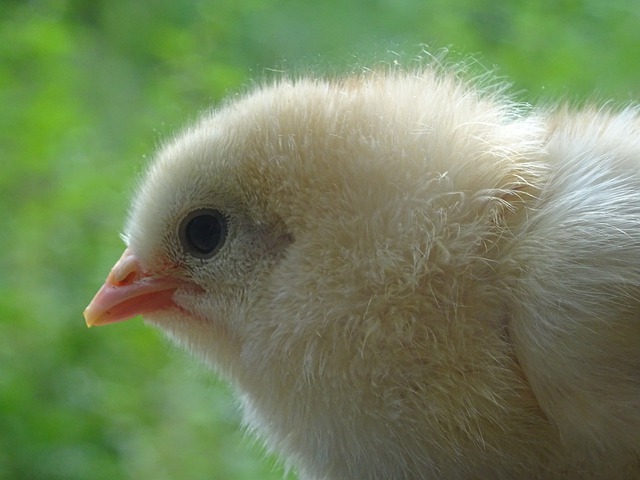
[88, 89]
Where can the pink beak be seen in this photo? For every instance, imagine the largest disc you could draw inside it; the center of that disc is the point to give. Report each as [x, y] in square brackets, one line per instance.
[129, 291]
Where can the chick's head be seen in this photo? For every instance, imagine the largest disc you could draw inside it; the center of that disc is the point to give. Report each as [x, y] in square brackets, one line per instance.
[336, 236]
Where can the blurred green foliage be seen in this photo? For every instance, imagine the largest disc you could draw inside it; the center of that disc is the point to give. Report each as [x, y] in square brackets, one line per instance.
[88, 88]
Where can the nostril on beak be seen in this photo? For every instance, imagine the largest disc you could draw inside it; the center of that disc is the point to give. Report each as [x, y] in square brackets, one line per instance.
[126, 271]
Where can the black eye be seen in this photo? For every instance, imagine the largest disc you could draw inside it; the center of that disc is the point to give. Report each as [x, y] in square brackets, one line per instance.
[203, 232]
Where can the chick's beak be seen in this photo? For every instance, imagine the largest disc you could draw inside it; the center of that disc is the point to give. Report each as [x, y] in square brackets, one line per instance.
[129, 291]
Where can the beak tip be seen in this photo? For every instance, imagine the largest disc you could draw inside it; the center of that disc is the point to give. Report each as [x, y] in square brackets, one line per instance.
[89, 318]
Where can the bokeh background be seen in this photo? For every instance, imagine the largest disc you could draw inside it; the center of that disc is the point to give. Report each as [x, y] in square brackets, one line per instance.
[88, 89]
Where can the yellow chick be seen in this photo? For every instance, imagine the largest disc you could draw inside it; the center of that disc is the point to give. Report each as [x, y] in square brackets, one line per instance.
[404, 276]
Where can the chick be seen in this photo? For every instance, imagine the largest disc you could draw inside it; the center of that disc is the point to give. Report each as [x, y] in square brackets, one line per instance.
[403, 276]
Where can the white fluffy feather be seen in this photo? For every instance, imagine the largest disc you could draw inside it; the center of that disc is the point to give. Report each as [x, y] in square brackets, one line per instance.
[420, 279]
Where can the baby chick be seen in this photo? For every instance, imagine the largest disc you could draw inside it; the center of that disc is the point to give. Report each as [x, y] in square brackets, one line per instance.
[404, 276]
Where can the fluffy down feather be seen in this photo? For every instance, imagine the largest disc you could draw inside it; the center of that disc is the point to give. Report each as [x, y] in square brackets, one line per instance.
[412, 278]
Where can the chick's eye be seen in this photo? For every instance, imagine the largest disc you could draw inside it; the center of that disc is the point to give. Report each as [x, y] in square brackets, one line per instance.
[203, 232]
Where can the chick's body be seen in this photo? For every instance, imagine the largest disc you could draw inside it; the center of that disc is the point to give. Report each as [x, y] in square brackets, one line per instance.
[417, 280]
